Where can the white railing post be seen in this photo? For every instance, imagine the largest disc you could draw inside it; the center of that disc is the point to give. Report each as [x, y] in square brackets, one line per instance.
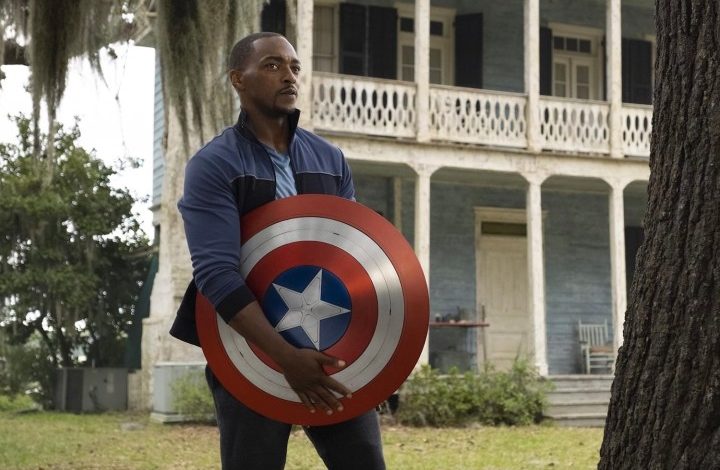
[422, 68]
[532, 73]
[304, 51]
[614, 76]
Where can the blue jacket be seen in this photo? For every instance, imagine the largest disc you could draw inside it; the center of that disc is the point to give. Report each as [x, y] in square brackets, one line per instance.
[227, 178]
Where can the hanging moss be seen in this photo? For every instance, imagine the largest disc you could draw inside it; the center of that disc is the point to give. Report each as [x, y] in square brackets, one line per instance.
[194, 38]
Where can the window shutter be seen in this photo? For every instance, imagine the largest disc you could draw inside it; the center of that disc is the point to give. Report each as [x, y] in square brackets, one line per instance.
[546, 61]
[636, 71]
[382, 42]
[353, 28]
[469, 50]
[272, 18]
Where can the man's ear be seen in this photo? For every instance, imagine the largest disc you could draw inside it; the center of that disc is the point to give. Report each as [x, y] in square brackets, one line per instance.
[236, 79]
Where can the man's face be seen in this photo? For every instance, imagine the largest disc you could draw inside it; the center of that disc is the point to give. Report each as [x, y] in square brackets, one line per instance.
[268, 82]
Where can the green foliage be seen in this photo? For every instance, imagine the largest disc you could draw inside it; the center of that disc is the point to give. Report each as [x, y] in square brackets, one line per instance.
[192, 397]
[16, 403]
[72, 255]
[27, 370]
[490, 397]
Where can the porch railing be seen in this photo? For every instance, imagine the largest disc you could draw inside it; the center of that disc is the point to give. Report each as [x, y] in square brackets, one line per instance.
[370, 106]
[636, 129]
[364, 105]
[477, 116]
[574, 125]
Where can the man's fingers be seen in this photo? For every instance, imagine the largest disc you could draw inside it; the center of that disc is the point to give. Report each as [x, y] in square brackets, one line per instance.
[329, 399]
[335, 386]
[319, 402]
[307, 402]
[330, 361]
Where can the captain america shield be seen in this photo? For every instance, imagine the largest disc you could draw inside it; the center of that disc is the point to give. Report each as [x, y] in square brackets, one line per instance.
[332, 275]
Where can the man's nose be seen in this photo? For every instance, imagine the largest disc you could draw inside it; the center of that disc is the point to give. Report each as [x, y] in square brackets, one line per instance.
[289, 76]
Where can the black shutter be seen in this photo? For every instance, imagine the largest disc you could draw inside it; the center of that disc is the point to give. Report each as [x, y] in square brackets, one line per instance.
[382, 42]
[272, 17]
[353, 28]
[634, 237]
[469, 50]
[546, 61]
[636, 71]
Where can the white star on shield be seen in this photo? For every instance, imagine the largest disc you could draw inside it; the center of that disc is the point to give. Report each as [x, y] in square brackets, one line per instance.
[306, 309]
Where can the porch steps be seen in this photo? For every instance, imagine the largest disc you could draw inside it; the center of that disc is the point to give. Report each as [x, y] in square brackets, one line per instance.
[579, 400]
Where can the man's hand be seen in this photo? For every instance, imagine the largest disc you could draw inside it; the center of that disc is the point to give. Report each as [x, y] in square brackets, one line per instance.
[303, 369]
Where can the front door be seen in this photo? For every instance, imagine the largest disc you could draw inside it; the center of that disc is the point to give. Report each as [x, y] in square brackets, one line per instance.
[502, 296]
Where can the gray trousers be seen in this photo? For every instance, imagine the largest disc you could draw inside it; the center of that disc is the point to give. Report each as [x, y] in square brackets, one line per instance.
[250, 441]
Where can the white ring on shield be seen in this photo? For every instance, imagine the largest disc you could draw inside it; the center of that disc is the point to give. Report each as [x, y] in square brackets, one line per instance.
[382, 275]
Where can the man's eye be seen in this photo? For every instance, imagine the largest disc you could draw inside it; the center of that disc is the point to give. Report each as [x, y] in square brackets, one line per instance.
[272, 66]
[296, 69]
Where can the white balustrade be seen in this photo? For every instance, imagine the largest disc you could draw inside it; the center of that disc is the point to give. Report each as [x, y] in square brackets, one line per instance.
[477, 116]
[363, 105]
[574, 125]
[636, 129]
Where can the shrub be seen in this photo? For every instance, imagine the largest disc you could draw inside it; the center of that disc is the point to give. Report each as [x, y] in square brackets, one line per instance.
[17, 403]
[517, 396]
[192, 397]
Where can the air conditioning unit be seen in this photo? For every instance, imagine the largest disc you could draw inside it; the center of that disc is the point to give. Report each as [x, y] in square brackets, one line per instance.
[86, 389]
[164, 375]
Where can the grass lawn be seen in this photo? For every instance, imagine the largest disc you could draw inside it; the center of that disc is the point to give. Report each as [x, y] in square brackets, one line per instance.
[51, 440]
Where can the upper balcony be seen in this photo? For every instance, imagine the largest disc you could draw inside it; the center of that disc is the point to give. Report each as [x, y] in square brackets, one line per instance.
[579, 82]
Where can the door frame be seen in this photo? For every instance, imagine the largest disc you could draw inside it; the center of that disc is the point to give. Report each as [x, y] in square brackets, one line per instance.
[490, 214]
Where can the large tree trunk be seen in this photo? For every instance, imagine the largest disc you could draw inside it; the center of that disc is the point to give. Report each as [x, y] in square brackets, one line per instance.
[665, 406]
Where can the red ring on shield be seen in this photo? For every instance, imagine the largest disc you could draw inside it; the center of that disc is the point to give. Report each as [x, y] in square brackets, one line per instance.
[362, 329]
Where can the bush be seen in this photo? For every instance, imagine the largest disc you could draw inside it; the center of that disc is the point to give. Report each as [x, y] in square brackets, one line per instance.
[28, 370]
[17, 403]
[192, 397]
[517, 396]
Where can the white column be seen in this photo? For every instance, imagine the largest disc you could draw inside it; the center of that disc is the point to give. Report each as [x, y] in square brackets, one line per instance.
[422, 69]
[614, 76]
[305, 54]
[422, 230]
[532, 73]
[617, 261]
[536, 270]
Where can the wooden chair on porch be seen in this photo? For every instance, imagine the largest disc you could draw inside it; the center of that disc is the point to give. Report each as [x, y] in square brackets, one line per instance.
[596, 348]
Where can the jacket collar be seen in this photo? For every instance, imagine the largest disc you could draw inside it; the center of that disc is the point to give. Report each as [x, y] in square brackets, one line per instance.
[242, 127]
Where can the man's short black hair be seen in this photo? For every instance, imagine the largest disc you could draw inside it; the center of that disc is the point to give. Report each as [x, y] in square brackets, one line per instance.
[244, 48]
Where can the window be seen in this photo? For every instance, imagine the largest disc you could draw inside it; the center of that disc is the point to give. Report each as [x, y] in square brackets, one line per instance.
[576, 66]
[324, 39]
[441, 44]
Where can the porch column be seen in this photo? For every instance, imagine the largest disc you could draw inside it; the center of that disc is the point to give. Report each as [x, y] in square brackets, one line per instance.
[532, 73]
[422, 69]
[614, 76]
[305, 54]
[536, 270]
[422, 229]
[617, 261]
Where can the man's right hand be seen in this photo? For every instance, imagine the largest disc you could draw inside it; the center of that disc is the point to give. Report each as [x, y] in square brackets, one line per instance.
[303, 368]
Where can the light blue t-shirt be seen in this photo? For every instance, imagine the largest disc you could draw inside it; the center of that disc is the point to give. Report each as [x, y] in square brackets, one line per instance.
[284, 178]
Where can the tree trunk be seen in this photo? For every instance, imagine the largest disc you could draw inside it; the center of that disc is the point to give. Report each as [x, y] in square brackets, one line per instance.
[665, 406]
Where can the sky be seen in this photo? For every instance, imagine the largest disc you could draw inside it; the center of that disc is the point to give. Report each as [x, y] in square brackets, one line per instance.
[116, 119]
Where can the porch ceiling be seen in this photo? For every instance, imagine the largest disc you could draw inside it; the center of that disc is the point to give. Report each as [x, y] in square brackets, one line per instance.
[388, 170]
[579, 185]
[479, 178]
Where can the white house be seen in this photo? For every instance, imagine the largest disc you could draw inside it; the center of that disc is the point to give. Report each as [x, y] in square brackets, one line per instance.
[509, 142]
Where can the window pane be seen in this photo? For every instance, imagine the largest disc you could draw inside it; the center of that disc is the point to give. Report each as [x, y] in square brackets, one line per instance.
[560, 72]
[407, 24]
[408, 55]
[323, 31]
[583, 92]
[559, 42]
[435, 58]
[323, 64]
[408, 73]
[583, 74]
[571, 44]
[436, 76]
[436, 28]
[585, 46]
[559, 89]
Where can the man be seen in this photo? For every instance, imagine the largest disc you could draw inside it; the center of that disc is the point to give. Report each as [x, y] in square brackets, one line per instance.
[262, 158]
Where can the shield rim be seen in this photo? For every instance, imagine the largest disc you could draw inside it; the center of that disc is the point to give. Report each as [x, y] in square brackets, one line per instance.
[415, 322]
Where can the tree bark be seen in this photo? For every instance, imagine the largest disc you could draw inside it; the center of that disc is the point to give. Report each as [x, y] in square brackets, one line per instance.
[665, 406]
[14, 54]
